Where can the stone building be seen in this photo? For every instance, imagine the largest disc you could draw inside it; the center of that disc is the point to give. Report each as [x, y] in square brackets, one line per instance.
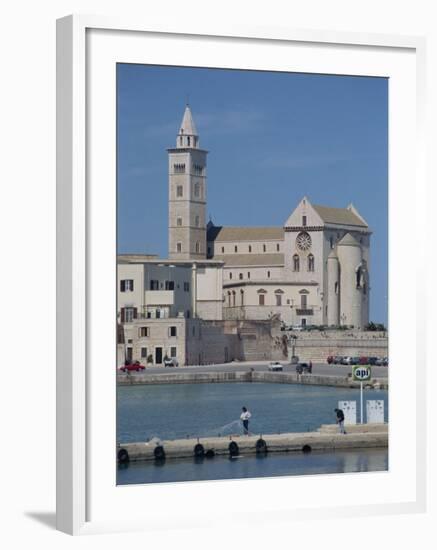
[313, 270]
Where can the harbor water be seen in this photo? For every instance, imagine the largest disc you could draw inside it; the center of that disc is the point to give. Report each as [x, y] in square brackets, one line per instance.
[175, 411]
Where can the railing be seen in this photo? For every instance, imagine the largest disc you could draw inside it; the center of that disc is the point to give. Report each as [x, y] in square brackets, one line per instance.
[304, 311]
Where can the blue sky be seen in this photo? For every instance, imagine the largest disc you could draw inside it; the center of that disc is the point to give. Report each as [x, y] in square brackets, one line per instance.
[274, 137]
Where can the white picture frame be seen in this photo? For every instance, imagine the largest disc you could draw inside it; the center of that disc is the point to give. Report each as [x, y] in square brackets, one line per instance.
[79, 424]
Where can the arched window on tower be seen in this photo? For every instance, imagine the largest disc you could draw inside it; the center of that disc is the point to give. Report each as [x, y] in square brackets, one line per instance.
[197, 247]
[242, 297]
[233, 297]
[296, 264]
[188, 141]
[310, 262]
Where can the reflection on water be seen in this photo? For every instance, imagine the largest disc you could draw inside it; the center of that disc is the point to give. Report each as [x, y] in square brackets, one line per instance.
[198, 410]
[250, 466]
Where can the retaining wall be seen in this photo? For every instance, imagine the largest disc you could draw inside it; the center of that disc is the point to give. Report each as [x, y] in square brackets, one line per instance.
[249, 376]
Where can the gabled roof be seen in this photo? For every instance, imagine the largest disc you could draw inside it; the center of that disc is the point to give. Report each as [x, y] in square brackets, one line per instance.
[348, 240]
[232, 234]
[339, 216]
[187, 125]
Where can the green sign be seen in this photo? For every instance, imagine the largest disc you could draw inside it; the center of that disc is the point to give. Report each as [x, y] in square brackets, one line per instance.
[361, 373]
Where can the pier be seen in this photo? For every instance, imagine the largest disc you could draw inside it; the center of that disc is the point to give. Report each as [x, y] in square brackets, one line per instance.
[326, 439]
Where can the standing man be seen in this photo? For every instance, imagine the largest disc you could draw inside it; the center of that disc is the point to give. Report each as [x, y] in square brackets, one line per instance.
[244, 417]
[340, 420]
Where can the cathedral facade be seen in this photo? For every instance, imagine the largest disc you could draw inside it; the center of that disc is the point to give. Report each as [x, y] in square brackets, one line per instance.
[313, 269]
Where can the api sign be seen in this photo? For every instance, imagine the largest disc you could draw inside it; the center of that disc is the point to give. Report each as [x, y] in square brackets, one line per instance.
[361, 373]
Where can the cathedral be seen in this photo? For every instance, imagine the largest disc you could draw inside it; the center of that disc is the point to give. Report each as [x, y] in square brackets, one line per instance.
[313, 269]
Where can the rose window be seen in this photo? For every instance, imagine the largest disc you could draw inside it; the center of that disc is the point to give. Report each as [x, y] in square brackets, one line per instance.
[303, 241]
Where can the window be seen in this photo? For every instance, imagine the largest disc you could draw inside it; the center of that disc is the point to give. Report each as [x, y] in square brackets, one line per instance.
[186, 287]
[143, 332]
[261, 299]
[230, 275]
[233, 298]
[235, 248]
[248, 274]
[310, 262]
[303, 301]
[127, 285]
[188, 141]
[229, 299]
[154, 284]
[277, 247]
[158, 314]
[197, 189]
[197, 247]
[173, 352]
[144, 353]
[169, 285]
[278, 299]
[264, 247]
[179, 168]
[240, 276]
[304, 221]
[223, 249]
[179, 247]
[296, 265]
[179, 191]
[179, 222]
[268, 274]
[172, 331]
[128, 314]
[250, 248]
[242, 297]
[197, 221]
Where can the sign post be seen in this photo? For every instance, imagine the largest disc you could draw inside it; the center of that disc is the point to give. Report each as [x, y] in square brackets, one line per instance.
[361, 373]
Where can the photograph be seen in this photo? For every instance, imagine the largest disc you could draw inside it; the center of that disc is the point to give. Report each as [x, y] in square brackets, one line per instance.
[251, 330]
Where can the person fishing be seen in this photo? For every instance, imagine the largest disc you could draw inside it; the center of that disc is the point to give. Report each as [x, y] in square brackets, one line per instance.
[340, 420]
[244, 417]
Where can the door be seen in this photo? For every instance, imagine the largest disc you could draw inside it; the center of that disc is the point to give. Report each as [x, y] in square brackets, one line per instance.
[158, 356]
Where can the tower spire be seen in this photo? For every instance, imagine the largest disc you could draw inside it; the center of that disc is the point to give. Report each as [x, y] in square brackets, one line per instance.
[187, 136]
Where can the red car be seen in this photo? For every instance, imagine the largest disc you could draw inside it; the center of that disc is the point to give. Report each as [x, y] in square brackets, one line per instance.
[136, 366]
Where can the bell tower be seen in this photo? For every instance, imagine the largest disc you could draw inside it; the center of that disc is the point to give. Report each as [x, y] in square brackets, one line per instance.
[187, 194]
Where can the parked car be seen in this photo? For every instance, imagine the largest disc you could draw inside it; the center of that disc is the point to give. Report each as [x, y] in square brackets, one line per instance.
[275, 366]
[382, 362]
[337, 360]
[135, 366]
[171, 362]
[330, 359]
[372, 360]
[364, 360]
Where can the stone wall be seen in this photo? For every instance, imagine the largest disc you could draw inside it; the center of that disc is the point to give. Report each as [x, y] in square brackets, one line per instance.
[317, 346]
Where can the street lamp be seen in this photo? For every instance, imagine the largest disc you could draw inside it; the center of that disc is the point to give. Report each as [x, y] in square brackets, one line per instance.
[294, 359]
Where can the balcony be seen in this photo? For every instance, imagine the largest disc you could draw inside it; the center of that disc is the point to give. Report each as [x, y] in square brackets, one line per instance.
[300, 311]
[159, 297]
